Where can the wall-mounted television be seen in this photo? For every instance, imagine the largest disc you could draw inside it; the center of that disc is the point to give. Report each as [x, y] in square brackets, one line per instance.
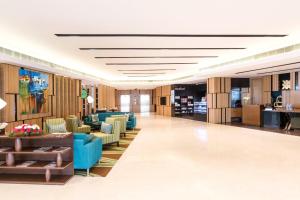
[163, 101]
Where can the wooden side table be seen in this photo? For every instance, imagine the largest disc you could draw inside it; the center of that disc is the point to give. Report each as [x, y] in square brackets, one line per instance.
[51, 157]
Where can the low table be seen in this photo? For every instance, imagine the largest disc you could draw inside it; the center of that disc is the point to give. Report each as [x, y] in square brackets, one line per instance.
[96, 126]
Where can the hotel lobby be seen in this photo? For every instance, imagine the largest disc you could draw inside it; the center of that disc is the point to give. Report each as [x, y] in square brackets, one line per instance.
[149, 100]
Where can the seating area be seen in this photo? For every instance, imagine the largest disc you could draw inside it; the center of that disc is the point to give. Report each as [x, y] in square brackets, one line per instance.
[87, 151]
[93, 121]
[88, 142]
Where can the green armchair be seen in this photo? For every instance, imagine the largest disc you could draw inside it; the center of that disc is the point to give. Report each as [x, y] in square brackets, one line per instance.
[54, 121]
[73, 126]
[123, 121]
[114, 137]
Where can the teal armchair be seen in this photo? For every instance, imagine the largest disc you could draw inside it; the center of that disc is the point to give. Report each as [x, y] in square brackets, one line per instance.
[87, 151]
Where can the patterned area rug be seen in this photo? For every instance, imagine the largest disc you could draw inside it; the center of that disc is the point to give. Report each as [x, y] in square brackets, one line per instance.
[111, 154]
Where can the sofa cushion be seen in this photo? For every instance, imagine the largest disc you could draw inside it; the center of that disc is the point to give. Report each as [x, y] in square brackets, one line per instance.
[106, 128]
[131, 117]
[95, 118]
[57, 128]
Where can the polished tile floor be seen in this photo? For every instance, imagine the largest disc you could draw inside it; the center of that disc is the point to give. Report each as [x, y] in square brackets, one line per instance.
[175, 158]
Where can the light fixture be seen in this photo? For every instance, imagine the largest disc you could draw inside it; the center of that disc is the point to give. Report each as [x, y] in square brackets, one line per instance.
[2, 103]
[90, 99]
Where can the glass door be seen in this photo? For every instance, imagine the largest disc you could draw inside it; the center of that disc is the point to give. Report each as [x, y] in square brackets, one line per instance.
[125, 103]
[145, 103]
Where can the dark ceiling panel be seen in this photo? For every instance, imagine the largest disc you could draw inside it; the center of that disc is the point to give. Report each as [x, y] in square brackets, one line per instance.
[104, 57]
[183, 63]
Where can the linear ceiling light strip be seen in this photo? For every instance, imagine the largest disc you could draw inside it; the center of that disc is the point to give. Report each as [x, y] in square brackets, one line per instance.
[144, 70]
[165, 48]
[175, 35]
[103, 57]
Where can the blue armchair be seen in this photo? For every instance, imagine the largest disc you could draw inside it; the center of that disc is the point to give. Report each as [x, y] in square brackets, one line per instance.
[131, 123]
[87, 151]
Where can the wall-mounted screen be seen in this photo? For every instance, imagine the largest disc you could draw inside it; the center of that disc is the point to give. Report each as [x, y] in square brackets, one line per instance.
[163, 101]
[33, 90]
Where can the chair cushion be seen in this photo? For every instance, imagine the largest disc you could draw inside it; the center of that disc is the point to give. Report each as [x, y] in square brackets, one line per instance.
[57, 128]
[95, 118]
[106, 128]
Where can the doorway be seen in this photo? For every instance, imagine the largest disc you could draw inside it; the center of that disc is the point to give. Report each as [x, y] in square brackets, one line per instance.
[125, 103]
[145, 103]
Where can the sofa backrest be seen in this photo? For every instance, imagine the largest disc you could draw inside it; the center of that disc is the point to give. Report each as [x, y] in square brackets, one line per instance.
[116, 131]
[82, 138]
[53, 121]
[102, 116]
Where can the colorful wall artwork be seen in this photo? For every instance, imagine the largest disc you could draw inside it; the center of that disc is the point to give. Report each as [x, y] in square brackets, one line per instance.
[33, 91]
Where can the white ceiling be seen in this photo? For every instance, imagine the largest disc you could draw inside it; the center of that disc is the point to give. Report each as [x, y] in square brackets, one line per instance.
[29, 27]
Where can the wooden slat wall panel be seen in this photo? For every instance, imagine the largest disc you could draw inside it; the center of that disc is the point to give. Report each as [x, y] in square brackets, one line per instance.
[214, 85]
[275, 82]
[227, 85]
[218, 97]
[267, 98]
[158, 91]
[9, 112]
[58, 95]
[292, 79]
[163, 91]
[256, 85]
[51, 85]
[66, 96]
[104, 96]
[267, 83]
[10, 76]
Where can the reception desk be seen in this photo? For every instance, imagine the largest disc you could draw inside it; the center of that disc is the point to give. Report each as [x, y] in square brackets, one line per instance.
[252, 115]
[280, 118]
